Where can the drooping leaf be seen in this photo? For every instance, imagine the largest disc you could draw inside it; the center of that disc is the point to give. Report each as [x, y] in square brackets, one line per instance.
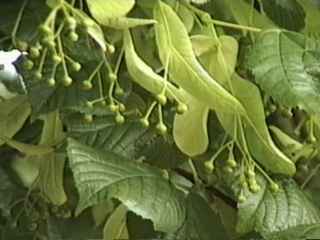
[51, 165]
[142, 189]
[175, 48]
[192, 125]
[115, 227]
[13, 114]
[285, 214]
[278, 62]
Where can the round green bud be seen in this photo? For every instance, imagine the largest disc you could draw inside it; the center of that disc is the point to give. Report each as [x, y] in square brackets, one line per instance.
[162, 99]
[119, 91]
[122, 107]
[113, 107]
[251, 173]
[56, 59]
[181, 108]
[144, 122]
[38, 75]
[51, 82]
[71, 23]
[28, 64]
[45, 30]
[67, 81]
[89, 104]
[111, 49]
[88, 118]
[103, 103]
[231, 163]
[49, 43]
[87, 85]
[76, 66]
[274, 187]
[255, 188]
[209, 166]
[34, 52]
[113, 77]
[119, 119]
[22, 45]
[73, 36]
[228, 169]
[162, 128]
[32, 226]
[241, 198]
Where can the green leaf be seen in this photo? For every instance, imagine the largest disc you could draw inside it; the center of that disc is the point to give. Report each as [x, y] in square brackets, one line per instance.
[13, 114]
[142, 189]
[51, 165]
[115, 227]
[278, 62]
[278, 215]
[202, 223]
[285, 13]
[175, 48]
[192, 125]
[121, 140]
[103, 10]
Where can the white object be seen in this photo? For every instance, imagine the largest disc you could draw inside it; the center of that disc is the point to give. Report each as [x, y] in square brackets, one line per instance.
[8, 71]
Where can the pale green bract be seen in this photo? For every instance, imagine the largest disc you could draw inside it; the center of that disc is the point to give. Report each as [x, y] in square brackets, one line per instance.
[174, 45]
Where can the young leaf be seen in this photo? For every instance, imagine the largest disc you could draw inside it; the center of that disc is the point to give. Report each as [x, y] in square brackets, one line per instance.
[175, 47]
[115, 227]
[278, 215]
[278, 62]
[51, 165]
[13, 114]
[102, 10]
[142, 189]
[192, 125]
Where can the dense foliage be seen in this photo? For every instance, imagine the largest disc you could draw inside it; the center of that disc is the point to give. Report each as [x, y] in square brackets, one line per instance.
[160, 119]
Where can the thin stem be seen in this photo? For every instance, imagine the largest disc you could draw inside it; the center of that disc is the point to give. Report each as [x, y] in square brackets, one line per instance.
[150, 109]
[64, 65]
[310, 176]
[194, 172]
[17, 23]
[235, 26]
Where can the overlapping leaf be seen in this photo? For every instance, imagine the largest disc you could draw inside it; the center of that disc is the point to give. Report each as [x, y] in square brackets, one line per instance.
[102, 175]
[285, 214]
[278, 62]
